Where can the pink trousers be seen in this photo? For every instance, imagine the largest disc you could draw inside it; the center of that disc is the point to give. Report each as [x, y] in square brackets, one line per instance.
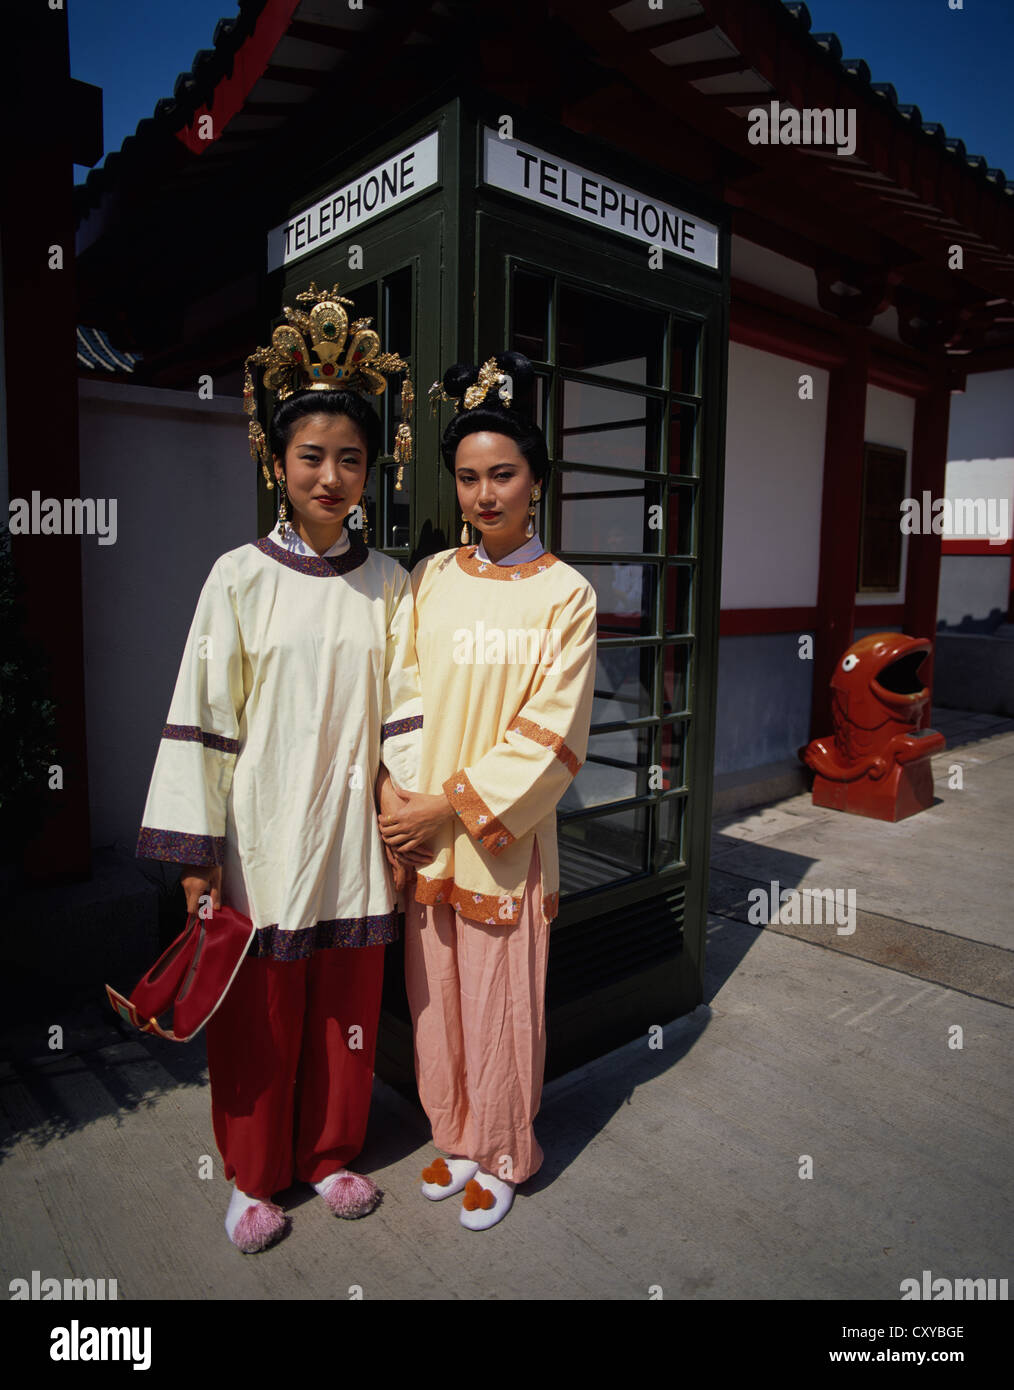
[477, 995]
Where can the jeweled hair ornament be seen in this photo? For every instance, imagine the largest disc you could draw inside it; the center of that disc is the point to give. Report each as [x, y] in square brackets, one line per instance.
[324, 333]
[490, 376]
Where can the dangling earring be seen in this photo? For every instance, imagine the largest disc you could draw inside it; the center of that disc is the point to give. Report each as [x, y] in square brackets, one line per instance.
[366, 524]
[283, 514]
[536, 494]
[465, 533]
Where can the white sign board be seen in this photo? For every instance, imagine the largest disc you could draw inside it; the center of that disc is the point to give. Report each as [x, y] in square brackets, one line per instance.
[568, 188]
[371, 195]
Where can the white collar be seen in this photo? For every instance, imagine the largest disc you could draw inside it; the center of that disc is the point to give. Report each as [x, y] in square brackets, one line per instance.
[530, 550]
[295, 545]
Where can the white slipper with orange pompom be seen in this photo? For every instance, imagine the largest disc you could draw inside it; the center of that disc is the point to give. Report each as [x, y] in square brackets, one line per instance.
[487, 1200]
[446, 1176]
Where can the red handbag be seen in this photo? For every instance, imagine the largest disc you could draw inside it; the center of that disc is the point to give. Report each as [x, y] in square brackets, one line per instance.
[191, 977]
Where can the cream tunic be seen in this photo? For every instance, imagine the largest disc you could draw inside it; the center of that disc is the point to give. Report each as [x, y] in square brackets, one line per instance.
[299, 676]
[507, 667]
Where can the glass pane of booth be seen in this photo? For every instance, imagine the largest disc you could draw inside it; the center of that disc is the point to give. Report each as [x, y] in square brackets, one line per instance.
[531, 296]
[682, 437]
[677, 599]
[399, 535]
[624, 684]
[670, 831]
[615, 769]
[675, 668]
[684, 368]
[625, 593]
[614, 429]
[673, 744]
[611, 514]
[609, 337]
[596, 850]
[681, 520]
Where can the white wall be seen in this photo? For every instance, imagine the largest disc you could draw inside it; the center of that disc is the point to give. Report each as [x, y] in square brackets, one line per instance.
[186, 491]
[890, 420]
[980, 445]
[974, 589]
[782, 275]
[774, 470]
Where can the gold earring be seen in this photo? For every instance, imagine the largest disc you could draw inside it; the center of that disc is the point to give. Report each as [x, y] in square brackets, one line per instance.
[366, 524]
[536, 494]
[283, 514]
[465, 534]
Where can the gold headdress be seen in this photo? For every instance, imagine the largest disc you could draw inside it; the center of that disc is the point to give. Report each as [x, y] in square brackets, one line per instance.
[490, 375]
[324, 331]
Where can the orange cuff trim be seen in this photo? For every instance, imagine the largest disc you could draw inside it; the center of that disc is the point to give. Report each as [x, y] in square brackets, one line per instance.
[475, 815]
[548, 740]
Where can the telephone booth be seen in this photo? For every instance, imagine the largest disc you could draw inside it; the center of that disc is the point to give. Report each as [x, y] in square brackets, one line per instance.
[461, 239]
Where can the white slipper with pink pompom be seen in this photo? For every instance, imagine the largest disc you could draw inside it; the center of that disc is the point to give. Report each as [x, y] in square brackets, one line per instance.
[252, 1223]
[348, 1194]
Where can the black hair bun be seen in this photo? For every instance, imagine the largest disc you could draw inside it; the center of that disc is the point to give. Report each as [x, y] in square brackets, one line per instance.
[520, 370]
[459, 378]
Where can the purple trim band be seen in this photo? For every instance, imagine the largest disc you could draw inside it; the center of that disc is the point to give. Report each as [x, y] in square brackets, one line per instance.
[190, 733]
[340, 931]
[179, 848]
[322, 566]
[401, 726]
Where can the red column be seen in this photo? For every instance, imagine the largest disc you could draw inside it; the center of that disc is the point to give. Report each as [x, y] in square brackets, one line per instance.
[840, 514]
[41, 396]
[929, 468]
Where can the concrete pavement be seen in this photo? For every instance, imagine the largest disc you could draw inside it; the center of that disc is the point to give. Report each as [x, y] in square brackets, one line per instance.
[680, 1167]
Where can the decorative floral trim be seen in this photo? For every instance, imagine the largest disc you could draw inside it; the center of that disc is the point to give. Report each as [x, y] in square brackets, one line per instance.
[548, 739]
[272, 941]
[190, 733]
[401, 726]
[322, 566]
[477, 907]
[476, 816]
[485, 569]
[180, 848]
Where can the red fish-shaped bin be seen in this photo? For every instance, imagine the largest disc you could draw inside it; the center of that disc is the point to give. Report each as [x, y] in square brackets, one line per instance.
[877, 763]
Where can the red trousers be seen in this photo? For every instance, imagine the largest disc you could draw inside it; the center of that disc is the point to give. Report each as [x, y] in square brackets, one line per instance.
[290, 1060]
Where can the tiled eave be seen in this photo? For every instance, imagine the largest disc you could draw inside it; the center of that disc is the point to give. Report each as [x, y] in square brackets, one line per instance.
[907, 181]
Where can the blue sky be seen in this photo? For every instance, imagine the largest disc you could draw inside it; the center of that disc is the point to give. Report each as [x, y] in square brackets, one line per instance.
[953, 64]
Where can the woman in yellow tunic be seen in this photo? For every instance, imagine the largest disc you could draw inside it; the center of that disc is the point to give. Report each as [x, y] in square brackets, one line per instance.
[505, 639]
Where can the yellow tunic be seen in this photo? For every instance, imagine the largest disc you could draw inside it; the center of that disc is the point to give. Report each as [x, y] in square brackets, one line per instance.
[507, 669]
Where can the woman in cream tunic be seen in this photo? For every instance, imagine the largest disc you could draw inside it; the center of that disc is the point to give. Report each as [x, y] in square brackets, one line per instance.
[298, 678]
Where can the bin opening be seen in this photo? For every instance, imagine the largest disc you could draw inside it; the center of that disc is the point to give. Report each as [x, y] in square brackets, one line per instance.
[901, 677]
